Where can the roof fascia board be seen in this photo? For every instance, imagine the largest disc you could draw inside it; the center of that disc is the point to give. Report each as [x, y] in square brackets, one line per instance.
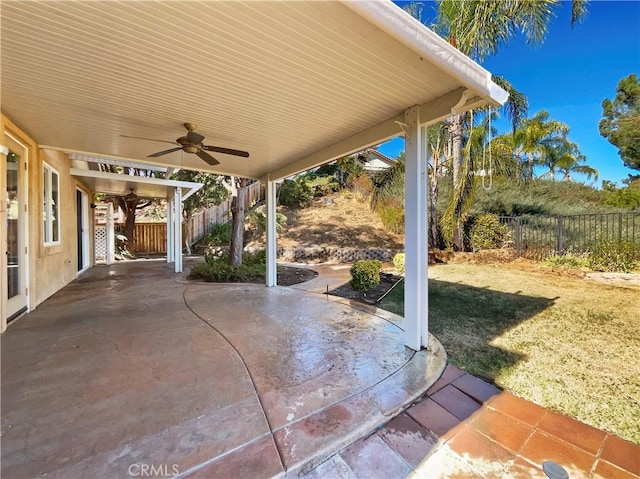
[112, 161]
[190, 187]
[430, 113]
[370, 137]
[427, 44]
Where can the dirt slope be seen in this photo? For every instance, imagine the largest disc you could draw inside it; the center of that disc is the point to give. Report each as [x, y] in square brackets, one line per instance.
[337, 220]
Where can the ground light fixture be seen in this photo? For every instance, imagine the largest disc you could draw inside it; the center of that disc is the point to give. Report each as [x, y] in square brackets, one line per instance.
[554, 471]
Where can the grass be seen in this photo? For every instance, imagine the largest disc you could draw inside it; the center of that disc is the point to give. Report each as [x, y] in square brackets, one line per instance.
[560, 342]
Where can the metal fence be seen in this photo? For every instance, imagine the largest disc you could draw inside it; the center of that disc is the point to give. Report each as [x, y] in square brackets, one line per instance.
[540, 236]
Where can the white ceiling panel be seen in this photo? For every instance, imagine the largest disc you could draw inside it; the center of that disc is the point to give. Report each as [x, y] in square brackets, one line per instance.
[281, 80]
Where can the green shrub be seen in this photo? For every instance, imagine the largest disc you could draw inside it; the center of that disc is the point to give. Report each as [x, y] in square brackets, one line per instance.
[323, 185]
[568, 261]
[392, 217]
[398, 262]
[296, 193]
[219, 234]
[365, 274]
[217, 268]
[487, 232]
[257, 220]
[614, 256]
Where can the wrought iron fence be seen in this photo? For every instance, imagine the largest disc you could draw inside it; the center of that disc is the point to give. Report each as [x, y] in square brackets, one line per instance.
[540, 236]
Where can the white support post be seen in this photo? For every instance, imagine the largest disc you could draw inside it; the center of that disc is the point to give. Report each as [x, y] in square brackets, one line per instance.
[110, 240]
[170, 230]
[272, 247]
[177, 225]
[424, 214]
[415, 242]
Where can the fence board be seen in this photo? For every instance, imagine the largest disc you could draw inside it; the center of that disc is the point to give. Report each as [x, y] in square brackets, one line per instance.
[152, 237]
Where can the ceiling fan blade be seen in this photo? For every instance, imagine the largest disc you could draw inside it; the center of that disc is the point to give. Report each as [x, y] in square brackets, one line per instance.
[148, 139]
[226, 151]
[194, 138]
[165, 152]
[207, 157]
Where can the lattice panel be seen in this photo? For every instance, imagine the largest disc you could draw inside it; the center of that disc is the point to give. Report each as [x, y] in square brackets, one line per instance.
[101, 242]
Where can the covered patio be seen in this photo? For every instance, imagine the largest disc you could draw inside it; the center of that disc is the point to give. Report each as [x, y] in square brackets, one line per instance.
[294, 84]
[132, 366]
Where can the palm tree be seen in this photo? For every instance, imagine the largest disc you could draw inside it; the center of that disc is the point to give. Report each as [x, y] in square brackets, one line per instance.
[478, 28]
[537, 136]
[566, 158]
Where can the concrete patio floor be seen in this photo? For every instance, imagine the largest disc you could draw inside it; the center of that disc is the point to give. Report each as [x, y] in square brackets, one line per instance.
[133, 371]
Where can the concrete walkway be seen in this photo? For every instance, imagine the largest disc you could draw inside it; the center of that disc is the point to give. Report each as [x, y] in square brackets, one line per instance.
[131, 371]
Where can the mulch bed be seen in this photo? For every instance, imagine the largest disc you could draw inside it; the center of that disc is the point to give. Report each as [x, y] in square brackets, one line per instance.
[387, 280]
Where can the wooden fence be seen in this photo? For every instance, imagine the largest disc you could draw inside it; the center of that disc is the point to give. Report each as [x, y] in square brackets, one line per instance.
[152, 237]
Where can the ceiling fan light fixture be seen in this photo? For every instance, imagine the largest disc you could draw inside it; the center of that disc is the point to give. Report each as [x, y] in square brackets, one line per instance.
[190, 148]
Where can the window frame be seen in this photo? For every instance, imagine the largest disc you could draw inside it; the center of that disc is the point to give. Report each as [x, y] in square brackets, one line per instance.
[51, 229]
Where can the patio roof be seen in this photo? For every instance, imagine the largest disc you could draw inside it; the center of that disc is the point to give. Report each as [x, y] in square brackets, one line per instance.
[295, 84]
[143, 186]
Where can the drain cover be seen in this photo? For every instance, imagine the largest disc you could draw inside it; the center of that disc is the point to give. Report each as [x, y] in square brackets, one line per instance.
[554, 471]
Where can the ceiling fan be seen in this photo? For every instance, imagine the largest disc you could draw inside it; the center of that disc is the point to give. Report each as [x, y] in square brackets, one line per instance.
[192, 143]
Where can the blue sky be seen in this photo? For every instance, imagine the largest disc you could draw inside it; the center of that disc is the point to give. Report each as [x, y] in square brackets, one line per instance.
[571, 73]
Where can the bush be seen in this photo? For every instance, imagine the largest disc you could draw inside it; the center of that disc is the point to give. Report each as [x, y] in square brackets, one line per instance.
[398, 262]
[363, 187]
[487, 232]
[257, 220]
[323, 185]
[217, 268]
[567, 261]
[296, 193]
[392, 217]
[614, 257]
[365, 274]
[219, 234]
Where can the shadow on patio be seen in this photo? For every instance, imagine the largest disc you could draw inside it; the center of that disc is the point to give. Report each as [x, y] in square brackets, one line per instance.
[132, 368]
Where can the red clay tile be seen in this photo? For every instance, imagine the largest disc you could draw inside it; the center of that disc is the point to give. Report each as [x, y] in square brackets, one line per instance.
[257, 459]
[503, 429]
[542, 447]
[518, 408]
[605, 470]
[408, 438]
[456, 402]
[373, 458]
[444, 463]
[437, 386]
[433, 417]
[475, 387]
[450, 373]
[334, 467]
[574, 432]
[622, 453]
[521, 469]
[484, 455]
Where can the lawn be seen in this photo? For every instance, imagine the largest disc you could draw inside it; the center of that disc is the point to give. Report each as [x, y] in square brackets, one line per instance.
[565, 343]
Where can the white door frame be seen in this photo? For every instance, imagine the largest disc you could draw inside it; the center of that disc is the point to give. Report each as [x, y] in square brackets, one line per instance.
[85, 229]
[13, 306]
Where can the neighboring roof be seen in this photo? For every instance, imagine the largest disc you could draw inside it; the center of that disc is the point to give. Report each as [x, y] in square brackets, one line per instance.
[372, 154]
[296, 84]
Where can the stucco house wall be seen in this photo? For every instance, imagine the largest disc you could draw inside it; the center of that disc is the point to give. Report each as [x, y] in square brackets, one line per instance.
[50, 267]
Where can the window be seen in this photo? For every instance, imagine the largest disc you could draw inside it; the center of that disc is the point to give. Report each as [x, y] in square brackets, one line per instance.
[51, 182]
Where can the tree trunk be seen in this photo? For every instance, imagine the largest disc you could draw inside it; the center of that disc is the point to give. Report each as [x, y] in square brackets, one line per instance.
[455, 131]
[129, 226]
[237, 218]
[189, 233]
[433, 215]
